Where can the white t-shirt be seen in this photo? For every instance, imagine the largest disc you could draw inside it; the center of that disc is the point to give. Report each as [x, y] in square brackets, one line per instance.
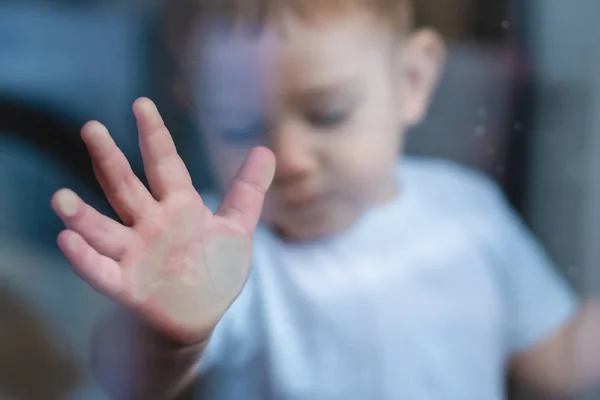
[425, 297]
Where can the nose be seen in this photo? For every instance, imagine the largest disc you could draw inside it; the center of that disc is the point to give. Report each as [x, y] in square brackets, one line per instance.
[296, 159]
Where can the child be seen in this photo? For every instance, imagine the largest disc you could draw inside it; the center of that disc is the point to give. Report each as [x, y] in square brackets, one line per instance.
[372, 278]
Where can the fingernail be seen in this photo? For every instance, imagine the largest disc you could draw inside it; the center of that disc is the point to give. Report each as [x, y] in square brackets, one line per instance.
[268, 175]
[147, 107]
[268, 170]
[67, 203]
[99, 136]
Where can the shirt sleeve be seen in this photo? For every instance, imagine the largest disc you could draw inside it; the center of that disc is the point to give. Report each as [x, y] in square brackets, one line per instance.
[538, 299]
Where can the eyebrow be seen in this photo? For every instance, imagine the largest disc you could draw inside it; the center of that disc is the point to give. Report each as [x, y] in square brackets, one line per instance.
[348, 88]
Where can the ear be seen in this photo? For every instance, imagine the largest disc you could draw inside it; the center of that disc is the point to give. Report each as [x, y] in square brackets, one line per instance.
[422, 59]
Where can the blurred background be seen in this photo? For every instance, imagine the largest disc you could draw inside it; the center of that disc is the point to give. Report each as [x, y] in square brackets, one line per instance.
[519, 100]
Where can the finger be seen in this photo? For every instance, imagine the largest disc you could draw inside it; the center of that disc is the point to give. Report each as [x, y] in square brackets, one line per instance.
[244, 201]
[100, 272]
[125, 192]
[164, 168]
[107, 236]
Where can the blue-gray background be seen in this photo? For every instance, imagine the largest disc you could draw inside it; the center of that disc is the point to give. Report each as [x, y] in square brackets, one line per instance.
[519, 100]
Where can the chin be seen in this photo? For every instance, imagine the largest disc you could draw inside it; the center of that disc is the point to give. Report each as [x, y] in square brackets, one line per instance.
[306, 235]
[311, 228]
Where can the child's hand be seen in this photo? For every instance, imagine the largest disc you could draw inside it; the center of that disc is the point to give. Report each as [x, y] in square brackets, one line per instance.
[173, 262]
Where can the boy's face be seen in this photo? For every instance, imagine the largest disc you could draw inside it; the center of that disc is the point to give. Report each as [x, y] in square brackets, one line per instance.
[331, 101]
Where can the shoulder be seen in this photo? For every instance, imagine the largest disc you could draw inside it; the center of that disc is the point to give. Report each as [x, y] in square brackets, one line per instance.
[452, 191]
[475, 208]
[449, 181]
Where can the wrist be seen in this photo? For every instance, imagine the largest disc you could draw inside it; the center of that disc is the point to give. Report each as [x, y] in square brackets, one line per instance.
[162, 342]
[145, 336]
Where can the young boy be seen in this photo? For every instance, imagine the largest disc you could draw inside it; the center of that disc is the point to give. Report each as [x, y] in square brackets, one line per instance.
[372, 278]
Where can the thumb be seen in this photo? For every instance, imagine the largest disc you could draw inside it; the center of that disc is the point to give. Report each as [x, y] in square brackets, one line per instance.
[244, 201]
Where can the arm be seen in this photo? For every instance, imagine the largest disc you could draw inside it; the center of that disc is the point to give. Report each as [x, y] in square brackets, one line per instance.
[172, 264]
[132, 361]
[568, 363]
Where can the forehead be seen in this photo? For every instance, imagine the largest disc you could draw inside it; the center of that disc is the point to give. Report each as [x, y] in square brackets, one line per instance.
[287, 55]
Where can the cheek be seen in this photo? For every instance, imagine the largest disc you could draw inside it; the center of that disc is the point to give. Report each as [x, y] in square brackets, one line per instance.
[225, 160]
[367, 152]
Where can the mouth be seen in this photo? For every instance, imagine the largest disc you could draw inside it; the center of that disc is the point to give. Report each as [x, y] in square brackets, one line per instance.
[298, 203]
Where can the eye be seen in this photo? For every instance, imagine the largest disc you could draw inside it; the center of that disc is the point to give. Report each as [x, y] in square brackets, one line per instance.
[251, 132]
[327, 119]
